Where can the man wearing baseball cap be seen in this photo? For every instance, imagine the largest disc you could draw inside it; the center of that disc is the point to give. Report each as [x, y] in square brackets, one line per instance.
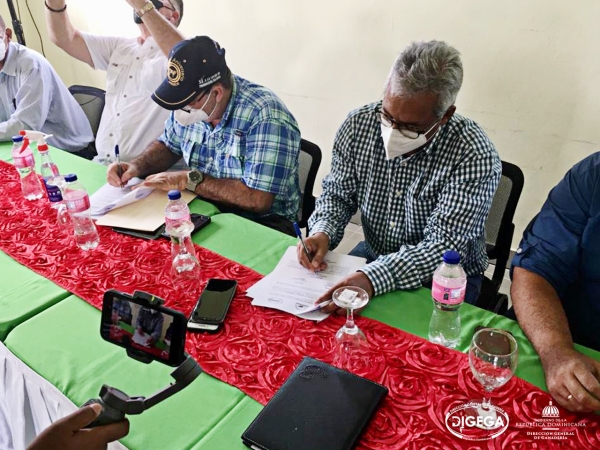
[238, 138]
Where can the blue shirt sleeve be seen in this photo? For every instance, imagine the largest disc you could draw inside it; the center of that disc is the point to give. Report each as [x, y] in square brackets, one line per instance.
[551, 244]
[171, 136]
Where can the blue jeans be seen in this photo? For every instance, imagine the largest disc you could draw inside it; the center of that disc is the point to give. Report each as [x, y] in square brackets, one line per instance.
[473, 281]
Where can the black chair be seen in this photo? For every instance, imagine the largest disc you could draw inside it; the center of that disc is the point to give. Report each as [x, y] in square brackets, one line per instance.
[499, 231]
[309, 161]
[91, 100]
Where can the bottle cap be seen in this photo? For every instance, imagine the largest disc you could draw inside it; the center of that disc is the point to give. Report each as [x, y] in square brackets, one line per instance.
[43, 148]
[174, 194]
[70, 178]
[451, 257]
[16, 139]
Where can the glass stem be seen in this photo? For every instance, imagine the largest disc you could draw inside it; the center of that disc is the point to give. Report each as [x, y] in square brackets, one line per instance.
[487, 400]
[350, 319]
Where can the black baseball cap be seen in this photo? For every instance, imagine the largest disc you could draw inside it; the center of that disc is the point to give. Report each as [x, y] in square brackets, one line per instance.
[194, 65]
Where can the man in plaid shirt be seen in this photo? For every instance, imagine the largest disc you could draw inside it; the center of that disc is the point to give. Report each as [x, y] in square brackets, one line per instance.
[239, 139]
[422, 177]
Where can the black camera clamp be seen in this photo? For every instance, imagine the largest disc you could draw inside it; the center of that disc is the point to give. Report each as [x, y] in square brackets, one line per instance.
[115, 403]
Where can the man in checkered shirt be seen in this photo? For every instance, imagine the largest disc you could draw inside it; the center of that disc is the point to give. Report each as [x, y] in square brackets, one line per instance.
[239, 139]
[422, 177]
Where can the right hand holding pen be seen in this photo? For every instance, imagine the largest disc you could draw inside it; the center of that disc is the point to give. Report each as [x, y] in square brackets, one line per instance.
[128, 172]
[318, 246]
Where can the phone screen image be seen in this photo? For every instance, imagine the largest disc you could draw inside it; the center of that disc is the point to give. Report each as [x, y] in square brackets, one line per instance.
[214, 301]
[145, 329]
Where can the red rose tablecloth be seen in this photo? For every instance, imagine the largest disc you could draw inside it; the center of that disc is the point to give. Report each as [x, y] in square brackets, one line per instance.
[258, 348]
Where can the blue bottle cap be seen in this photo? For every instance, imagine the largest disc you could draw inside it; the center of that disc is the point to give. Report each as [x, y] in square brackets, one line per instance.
[451, 257]
[70, 178]
[18, 138]
[174, 194]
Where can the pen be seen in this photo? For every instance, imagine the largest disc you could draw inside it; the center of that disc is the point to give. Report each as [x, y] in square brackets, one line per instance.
[119, 168]
[299, 234]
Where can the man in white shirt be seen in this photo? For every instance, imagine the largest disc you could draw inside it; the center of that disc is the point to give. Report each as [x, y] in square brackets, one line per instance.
[33, 97]
[134, 68]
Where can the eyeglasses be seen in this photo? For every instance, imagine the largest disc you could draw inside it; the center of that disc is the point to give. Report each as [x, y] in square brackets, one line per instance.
[158, 4]
[187, 109]
[409, 131]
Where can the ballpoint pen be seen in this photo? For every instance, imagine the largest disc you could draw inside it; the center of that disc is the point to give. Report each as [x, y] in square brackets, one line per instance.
[119, 168]
[299, 234]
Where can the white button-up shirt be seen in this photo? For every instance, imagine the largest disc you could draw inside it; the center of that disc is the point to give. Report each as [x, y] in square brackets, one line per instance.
[130, 118]
[33, 97]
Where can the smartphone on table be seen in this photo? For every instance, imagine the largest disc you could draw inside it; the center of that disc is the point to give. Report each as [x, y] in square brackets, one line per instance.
[212, 306]
[149, 329]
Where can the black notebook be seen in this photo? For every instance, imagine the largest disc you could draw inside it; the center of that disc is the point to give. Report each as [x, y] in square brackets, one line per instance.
[318, 407]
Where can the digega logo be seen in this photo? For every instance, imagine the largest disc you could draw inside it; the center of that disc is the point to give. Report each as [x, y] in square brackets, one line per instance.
[471, 422]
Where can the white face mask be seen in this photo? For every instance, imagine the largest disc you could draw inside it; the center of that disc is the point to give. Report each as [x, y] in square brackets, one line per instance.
[2, 49]
[186, 118]
[396, 144]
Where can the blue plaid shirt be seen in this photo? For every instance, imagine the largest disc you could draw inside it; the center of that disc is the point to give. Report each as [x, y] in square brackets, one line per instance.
[257, 141]
[413, 209]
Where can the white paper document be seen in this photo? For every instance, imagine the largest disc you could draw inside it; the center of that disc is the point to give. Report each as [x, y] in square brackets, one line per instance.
[141, 338]
[294, 289]
[109, 197]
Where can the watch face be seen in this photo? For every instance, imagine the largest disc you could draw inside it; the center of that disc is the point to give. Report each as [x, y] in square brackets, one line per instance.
[195, 176]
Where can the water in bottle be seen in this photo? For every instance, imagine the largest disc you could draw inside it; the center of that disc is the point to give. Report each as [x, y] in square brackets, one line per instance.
[183, 254]
[49, 171]
[176, 211]
[25, 164]
[448, 292]
[78, 204]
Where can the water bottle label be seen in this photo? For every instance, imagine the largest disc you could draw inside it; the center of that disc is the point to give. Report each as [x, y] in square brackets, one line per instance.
[449, 296]
[54, 194]
[21, 162]
[78, 204]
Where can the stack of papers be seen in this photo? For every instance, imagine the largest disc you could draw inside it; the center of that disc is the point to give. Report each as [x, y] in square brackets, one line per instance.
[140, 209]
[109, 197]
[294, 289]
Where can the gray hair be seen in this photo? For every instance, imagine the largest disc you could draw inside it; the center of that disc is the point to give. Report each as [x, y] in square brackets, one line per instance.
[428, 67]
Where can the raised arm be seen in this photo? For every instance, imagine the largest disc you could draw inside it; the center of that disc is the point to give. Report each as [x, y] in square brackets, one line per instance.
[163, 32]
[63, 34]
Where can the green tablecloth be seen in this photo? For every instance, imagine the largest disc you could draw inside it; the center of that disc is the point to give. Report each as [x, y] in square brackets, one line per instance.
[57, 335]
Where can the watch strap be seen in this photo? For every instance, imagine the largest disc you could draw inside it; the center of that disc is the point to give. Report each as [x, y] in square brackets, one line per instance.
[144, 9]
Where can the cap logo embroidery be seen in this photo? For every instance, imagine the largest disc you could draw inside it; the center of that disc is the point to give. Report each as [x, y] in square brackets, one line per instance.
[205, 81]
[175, 73]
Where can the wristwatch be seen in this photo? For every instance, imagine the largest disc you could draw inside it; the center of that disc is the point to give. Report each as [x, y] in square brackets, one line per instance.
[144, 9]
[194, 178]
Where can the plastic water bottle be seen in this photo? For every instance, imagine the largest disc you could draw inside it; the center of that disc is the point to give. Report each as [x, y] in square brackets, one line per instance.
[176, 211]
[184, 262]
[448, 292]
[78, 205]
[49, 170]
[25, 164]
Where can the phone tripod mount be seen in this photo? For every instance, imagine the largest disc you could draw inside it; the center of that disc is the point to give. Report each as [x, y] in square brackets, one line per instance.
[116, 404]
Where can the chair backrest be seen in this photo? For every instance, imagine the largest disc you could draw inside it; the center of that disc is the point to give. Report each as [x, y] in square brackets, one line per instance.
[309, 161]
[499, 227]
[91, 100]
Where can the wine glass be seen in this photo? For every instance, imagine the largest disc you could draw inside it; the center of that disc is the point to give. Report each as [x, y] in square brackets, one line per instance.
[493, 358]
[350, 340]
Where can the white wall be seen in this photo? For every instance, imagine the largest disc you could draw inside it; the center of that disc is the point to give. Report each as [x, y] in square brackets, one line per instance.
[531, 66]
